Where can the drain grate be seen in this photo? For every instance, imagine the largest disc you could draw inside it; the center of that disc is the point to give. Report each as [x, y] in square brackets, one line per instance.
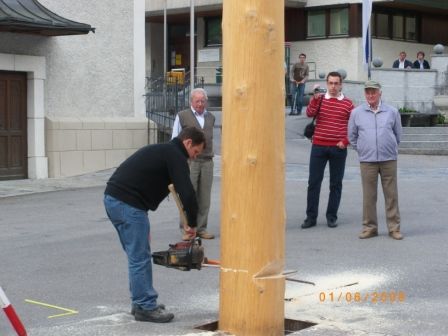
[291, 326]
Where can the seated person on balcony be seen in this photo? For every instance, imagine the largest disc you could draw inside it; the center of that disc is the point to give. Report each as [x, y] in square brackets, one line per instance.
[402, 62]
[420, 62]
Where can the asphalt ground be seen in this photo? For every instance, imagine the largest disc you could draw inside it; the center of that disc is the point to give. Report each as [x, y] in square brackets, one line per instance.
[58, 251]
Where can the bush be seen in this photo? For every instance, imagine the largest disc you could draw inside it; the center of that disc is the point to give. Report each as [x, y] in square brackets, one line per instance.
[405, 110]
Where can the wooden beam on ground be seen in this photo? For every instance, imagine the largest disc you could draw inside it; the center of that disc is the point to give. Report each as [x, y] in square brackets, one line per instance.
[252, 200]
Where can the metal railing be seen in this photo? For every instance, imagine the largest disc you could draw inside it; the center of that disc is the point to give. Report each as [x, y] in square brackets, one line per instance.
[165, 97]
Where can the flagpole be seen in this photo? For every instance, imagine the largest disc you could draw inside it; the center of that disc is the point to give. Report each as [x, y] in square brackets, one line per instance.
[366, 35]
[369, 65]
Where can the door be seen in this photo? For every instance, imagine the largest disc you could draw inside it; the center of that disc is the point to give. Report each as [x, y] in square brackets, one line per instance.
[13, 126]
[179, 45]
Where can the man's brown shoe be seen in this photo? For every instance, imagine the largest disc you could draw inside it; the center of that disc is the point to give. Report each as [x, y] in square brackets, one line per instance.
[368, 234]
[206, 235]
[396, 235]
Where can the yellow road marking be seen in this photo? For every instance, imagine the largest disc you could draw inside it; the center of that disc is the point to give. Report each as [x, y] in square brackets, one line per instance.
[67, 311]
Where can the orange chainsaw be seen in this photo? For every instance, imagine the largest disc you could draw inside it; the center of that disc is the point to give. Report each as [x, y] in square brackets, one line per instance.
[183, 256]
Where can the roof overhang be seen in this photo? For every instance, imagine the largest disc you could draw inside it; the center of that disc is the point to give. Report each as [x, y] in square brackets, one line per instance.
[30, 17]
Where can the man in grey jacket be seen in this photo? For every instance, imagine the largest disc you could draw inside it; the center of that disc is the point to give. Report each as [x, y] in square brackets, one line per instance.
[374, 131]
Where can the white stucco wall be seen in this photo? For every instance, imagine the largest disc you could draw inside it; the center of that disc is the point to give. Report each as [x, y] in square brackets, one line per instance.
[87, 75]
[331, 55]
[85, 78]
[346, 53]
[389, 50]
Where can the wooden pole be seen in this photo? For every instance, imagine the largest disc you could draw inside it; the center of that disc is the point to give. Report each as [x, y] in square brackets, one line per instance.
[252, 201]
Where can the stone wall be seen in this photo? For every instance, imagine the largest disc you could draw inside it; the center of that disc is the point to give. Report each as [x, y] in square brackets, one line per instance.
[411, 88]
[81, 145]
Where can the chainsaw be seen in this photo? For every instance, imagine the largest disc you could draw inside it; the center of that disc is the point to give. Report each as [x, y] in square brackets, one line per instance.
[183, 256]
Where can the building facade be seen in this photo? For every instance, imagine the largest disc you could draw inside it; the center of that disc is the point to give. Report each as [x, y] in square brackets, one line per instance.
[83, 103]
[329, 32]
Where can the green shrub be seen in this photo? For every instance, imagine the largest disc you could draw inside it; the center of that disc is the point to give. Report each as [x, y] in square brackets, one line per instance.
[405, 110]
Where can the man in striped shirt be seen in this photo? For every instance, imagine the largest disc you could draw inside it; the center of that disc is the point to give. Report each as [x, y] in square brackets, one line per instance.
[332, 110]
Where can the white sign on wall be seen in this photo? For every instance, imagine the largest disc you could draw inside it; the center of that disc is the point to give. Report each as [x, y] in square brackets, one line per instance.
[208, 55]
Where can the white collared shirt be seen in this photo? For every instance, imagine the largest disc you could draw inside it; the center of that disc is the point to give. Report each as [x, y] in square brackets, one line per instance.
[340, 97]
[378, 108]
[177, 126]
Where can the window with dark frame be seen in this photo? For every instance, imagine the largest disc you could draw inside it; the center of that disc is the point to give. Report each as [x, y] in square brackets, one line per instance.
[213, 32]
[327, 22]
[393, 25]
[339, 21]
[316, 23]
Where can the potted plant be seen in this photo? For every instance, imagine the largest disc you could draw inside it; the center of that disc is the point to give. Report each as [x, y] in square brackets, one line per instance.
[406, 115]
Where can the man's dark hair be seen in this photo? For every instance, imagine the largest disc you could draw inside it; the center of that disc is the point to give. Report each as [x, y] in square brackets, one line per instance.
[334, 74]
[195, 134]
[302, 54]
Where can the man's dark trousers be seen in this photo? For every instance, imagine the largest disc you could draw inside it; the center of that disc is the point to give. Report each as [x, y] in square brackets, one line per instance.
[319, 157]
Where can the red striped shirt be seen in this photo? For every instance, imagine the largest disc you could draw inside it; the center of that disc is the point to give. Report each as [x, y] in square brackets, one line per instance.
[331, 121]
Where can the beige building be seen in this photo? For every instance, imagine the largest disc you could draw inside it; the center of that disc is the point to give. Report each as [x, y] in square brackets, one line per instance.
[329, 32]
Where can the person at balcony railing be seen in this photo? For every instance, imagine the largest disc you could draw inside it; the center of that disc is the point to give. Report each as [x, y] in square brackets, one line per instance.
[201, 168]
[402, 62]
[420, 62]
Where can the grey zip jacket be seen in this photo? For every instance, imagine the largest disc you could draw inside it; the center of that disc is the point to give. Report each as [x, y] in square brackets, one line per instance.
[375, 136]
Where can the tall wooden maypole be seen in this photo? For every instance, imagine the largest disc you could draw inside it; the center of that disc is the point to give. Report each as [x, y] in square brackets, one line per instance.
[252, 201]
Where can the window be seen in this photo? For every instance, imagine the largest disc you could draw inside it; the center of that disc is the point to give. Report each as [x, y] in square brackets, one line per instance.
[394, 25]
[329, 22]
[213, 33]
[411, 29]
[339, 21]
[316, 23]
[382, 27]
[397, 27]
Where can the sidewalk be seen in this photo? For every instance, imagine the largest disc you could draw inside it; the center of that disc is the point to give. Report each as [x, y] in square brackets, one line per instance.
[297, 149]
[25, 187]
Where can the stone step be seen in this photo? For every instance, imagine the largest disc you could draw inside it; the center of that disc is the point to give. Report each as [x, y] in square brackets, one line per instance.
[426, 130]
[424, 144]
[423, 151]
[424, 137]
[424, 140]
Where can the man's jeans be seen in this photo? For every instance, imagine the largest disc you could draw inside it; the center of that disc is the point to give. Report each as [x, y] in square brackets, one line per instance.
[299, 90]
[319, 157]
[132, 225]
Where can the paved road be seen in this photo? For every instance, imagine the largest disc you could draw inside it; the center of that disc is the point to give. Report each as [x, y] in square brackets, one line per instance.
[57, 248]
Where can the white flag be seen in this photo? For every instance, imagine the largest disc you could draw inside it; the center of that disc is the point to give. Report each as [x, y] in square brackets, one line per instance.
[366, 33]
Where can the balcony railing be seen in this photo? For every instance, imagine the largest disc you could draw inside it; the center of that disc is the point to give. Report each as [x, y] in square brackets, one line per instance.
[165, 97]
